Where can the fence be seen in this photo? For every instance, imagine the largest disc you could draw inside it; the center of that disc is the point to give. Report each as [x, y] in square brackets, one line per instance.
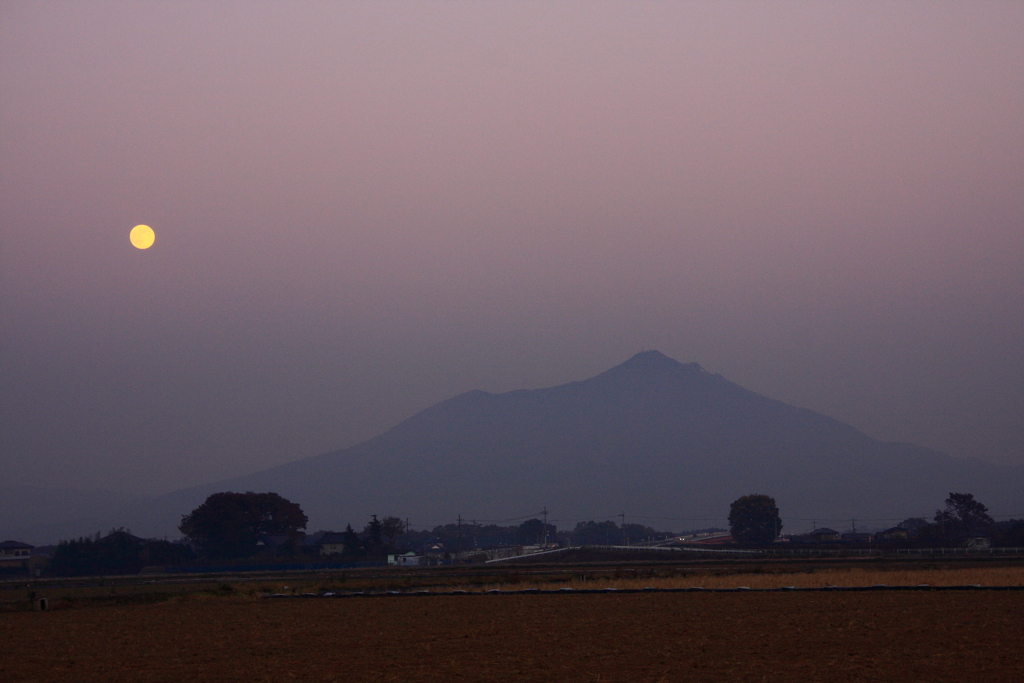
[306, 566]
[812, 552]
[960, 551]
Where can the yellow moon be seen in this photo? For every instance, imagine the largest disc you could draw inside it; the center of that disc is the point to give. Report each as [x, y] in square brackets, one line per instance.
[142, 236]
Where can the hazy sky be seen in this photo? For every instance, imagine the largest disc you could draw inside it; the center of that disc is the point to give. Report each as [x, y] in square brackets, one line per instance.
[363, 209]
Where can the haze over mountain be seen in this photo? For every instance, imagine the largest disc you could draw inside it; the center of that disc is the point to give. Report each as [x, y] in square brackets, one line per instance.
[40, 515]
[362, 209]
[652, 437]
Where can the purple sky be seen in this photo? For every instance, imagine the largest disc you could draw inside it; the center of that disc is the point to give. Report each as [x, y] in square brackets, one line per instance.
[363, 209]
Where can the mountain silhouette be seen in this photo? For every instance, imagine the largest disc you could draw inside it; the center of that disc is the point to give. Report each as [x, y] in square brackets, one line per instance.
[669, 444]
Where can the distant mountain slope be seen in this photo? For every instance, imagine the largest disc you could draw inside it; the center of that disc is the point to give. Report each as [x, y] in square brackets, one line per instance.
[39, 515]
[651, 437]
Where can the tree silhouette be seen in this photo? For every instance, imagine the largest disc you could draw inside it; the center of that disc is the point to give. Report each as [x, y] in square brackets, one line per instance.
[373, 535]
[754, 519]
[119, 552]
[963, 516]
[532, 531]
[230, 524]
[391, 528]
[350, 540]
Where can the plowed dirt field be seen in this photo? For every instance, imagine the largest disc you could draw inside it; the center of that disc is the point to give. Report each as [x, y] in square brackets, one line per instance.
[874, 636]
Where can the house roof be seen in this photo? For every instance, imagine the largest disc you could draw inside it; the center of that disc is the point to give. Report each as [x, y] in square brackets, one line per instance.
[273, 540]
[15, 545]
[122, 535]
[332, 537]
[824, 531]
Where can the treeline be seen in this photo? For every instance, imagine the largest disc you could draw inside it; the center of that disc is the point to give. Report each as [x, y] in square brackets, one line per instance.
[390, 536]
[119, 552]
[964, 518]
[755, 520]
[533, 532]
[610, 533]
[466, 536]
[229, 527]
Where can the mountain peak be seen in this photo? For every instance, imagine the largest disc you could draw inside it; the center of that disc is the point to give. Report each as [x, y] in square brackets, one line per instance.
[656, 361]
[664, 438]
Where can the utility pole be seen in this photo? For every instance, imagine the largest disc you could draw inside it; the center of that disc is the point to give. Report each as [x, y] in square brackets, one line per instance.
[460, 532]
[622, 515]
[545, 513]
[853, 525]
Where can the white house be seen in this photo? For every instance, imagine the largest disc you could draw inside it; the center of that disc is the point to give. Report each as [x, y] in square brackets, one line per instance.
[409, 559]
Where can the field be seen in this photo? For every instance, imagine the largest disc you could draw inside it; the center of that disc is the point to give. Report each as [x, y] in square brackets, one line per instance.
[812, 577]
[228, 632]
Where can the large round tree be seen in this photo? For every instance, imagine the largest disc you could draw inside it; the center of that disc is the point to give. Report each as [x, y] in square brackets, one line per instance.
[230, 524]
[754, 519]
[963, 516]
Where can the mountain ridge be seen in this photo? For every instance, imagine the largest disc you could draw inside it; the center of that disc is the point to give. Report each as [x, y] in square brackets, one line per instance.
[651, 436]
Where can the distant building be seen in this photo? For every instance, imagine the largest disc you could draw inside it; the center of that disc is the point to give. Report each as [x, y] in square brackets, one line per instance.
[332, 544]
[896, 533]
[15, 556]
[856, 537]
[15, 550]
[272, 544]
[409, 559]
[434, 553]
[123, 537]
[824, 535]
